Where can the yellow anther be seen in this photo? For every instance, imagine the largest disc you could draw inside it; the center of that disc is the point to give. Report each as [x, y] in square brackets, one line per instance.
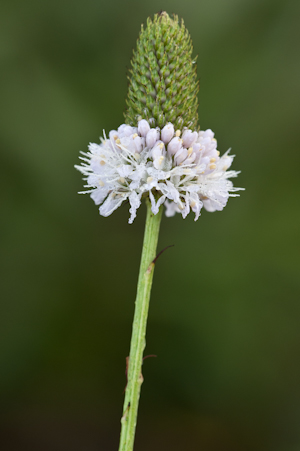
[121, 180]
[190, 151]
[212, 160]
[193, 204]
[161, 159]
[137, 156]
[149, 179]
[115, 137]
[135, 135]
[214, 139]
[212, 166]
[102, 163]
[218, 152]
[101, 183]
[118, 141]
[180, 140]
[161, 145]
[178, 133]
[225, 168]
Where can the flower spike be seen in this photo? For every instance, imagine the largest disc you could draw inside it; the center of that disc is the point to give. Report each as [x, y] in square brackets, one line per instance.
[160, 153]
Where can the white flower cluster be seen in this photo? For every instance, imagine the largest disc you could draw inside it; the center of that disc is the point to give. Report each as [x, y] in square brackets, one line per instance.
[182, 172]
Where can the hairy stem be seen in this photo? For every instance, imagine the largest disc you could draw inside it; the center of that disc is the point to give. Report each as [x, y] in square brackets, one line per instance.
[138, 341]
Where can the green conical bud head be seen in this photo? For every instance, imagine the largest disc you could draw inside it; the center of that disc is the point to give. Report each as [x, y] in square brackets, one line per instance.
[163, 79]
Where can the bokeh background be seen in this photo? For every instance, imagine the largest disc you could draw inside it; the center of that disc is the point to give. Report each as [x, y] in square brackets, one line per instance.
[225, 311]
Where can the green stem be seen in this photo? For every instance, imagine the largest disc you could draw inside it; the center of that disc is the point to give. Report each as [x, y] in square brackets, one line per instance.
[138, 341]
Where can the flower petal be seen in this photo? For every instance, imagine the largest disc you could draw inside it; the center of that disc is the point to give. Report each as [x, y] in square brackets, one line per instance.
[111, 204]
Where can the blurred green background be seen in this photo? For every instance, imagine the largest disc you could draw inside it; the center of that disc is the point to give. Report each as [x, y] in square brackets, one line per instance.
[225, 312]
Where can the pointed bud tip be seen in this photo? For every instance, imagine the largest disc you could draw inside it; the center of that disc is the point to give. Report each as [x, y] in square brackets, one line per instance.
[163, 80]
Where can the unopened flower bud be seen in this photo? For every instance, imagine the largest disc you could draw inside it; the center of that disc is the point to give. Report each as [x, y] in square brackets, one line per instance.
[121, 129]
[157, 151]
[113, 134]
[143, 127]
[208, 133]
[152, 137]
[180, 156]
[189, 138]
[174, 145]
[139, 143]
[127, 131]
[167, 133]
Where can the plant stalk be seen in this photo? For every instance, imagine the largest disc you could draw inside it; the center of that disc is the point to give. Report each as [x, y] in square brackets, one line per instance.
[138, 340]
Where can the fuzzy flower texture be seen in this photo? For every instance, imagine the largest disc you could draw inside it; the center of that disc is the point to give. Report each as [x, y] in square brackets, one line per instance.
[182, 172]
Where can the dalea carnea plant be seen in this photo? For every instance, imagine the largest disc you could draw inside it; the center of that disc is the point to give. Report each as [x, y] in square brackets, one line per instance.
[160, 156]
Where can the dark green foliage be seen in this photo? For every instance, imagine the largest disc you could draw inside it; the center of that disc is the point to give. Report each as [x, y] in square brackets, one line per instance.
[163, 80]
